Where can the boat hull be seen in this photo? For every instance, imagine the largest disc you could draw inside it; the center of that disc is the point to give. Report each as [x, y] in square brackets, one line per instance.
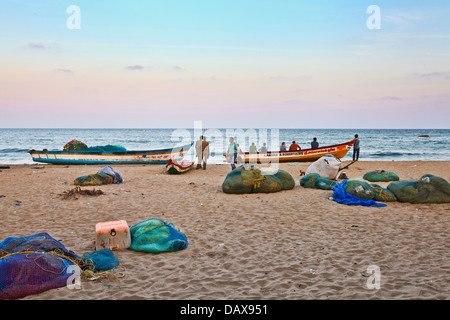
[104, 158]
[306, 155]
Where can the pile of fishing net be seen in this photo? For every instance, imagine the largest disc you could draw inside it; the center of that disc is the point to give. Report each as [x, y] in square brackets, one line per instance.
[250, 179]
[36, 263]
[314, 180]
[380, 176]
[157, 236]
[105, 175]
[428, 189]
[355, 193]
[76, 145]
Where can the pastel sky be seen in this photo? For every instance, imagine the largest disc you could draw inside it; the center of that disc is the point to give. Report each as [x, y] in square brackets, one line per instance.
[228, 63]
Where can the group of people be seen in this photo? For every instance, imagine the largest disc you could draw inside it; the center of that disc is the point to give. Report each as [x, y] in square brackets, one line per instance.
[202, 150]
[295, 147]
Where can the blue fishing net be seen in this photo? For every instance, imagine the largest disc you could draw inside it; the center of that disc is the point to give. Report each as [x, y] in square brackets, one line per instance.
[102, 259]
[156, 236]
[32, 264]
[36, 263]
[342, 196]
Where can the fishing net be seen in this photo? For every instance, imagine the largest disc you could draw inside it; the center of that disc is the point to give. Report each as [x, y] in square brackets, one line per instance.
[287, 181]
[75, 145]
[360, 189]
[382, 194]
[107, 148]
[36, 263]
[248, 178]
[94, 179]
[105, 175]
[314, 180]
[240, 180]
[156, 236]
[342, 196]
[102, 260]
[380, 175]
[267, 184]
[428, 189]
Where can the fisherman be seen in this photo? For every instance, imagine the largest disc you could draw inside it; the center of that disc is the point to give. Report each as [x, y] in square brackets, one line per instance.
[294, 147]
[356, 149]
[202, 151]
[232, 152]
[314, 143]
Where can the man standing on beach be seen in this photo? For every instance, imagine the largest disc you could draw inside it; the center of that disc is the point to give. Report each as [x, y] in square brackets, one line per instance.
[314, 143]
[356, 149]
[232, 153]
[202, 150]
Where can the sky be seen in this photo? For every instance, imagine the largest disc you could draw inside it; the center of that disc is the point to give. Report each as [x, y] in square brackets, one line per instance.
[227, 63]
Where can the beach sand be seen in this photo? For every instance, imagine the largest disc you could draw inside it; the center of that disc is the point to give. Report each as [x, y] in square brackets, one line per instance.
[290, 245]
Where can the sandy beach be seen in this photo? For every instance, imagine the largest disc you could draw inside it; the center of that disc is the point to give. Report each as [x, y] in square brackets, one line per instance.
[291, 245]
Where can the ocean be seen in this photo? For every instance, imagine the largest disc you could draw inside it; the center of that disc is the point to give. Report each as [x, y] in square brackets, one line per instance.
[375, 144]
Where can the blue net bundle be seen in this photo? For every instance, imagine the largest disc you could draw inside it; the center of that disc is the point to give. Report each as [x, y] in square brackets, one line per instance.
[342, 196]
[33, 264]
[102, 260]
[156, 236]
[36, 263]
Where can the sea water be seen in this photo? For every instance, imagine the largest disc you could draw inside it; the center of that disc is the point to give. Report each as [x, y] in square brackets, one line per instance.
[375, 144]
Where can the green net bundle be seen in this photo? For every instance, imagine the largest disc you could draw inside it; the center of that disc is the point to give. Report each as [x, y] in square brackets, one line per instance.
[380, 175]
[250, 179]
[428, 189]
[314, 180]
[157, 236]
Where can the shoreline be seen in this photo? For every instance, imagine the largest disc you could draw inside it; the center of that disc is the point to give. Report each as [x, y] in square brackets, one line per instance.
[291, 245]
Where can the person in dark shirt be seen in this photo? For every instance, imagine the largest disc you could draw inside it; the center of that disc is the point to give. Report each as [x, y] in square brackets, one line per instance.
[356, 149]
[314, 143]
[283, 147]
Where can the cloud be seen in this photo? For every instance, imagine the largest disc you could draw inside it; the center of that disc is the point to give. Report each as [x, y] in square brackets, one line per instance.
[445, 75]
[178, 68]
[39, 46]
[66, 71]
[401, 17]
[390, 98]
[135, 67]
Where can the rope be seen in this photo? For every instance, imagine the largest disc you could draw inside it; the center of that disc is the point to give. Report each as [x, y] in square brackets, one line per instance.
[86, 266]
[257, 182]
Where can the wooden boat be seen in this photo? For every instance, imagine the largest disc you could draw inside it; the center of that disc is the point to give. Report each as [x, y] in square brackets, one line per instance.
[107, 157]
[174, 167]
[305, 155]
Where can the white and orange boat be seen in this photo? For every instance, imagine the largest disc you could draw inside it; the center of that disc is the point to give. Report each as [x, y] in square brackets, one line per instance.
[305, 155]
[160, 156]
